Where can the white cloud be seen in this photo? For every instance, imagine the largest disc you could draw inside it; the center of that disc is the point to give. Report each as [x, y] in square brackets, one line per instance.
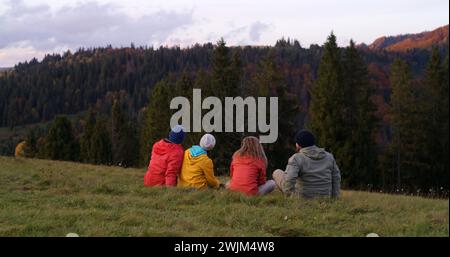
[256, 29]
[9, 56]
[52, 25]
[38, 28]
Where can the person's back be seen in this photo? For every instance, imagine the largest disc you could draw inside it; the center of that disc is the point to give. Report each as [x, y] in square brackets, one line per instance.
[197, 170]
[165, 160]
[248, 169]
[165, 164]
[311, 172]
[316, 170]
[247, 174]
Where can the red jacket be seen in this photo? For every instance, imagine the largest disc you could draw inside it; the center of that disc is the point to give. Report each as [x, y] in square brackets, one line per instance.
[165, 164]
[247, 174]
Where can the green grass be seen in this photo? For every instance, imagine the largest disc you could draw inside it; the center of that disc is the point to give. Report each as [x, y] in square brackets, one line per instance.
[51, 198]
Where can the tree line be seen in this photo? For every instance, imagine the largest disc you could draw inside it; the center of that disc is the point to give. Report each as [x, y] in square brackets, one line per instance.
[336, 102]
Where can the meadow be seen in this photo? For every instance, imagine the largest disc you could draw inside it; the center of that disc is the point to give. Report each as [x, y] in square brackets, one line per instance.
[53, 198]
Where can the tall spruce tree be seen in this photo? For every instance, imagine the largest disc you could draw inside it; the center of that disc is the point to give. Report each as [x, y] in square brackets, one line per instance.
[445, 126]
[270, 82]
[342, 114]
[157, 118]
[183, 87]
[31, 149]
[434, 103]
[328, 100]
[60, 143]
[86, 154]
[357, 155]
[124, 144]
[407, 123]
[100, 142]
[221, 64]
[226, 82]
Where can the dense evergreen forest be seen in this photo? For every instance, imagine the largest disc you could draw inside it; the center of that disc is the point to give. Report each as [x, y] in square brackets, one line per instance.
[36, 91]
[383, 114]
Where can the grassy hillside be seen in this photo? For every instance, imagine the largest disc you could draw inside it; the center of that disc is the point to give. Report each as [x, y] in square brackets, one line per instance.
[50, 198]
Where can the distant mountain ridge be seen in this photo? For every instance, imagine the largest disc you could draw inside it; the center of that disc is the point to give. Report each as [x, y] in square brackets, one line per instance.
[403, 43]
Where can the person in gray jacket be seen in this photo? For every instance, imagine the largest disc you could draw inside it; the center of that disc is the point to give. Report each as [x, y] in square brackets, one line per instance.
[311, 172]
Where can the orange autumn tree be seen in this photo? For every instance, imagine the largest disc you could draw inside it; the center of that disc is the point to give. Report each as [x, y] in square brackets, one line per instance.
[20, 149]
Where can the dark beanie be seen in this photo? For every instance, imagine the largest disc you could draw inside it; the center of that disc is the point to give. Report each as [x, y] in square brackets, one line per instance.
[176, 134]
[305, 138]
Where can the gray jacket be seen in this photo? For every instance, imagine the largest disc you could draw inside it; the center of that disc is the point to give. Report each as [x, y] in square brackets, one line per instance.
[316, 172]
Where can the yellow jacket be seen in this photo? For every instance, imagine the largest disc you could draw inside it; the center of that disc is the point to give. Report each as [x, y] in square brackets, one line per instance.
[197, 170]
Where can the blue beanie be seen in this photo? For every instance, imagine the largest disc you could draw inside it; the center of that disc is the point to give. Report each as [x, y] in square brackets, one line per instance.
[176, 134]
[305, 138]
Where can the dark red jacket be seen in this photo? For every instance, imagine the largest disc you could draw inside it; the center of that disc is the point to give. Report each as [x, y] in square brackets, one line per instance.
[247, 174]
[165, 164]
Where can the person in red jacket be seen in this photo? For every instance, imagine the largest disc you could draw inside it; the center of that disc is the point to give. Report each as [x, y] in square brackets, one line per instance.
[248, 169]
[166, 159]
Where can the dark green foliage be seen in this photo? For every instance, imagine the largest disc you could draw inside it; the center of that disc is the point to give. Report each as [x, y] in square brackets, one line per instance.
[60, 143]
[404, 166]
[86, 151]
[95, 142]
[183, 87]
[145, 79]
[36, 91]
[156, 119]
[434, 109]
[226, 82]
[101, 142]
[358, 156]
[342, 114]
[31, 148]
[124, 143]
[418, 154]
[445, 126]
[270, 82]
[328, 99]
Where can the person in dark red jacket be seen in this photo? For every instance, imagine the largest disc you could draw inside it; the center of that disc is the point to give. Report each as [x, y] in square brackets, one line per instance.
[248, 169]
[166, 159]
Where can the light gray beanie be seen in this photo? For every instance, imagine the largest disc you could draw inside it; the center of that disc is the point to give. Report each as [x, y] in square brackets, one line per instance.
[207, 142]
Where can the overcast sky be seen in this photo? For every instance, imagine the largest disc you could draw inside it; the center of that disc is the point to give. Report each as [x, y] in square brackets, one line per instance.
[32, 28]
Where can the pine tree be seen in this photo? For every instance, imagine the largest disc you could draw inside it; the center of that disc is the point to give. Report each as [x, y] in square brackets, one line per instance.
[183, 87]
[445, 126]
[132, 145]
[327, 119]
[60, 141]
[86, 154]
[123, 138]
[157, 118]
[226, 82]
[221, 68]
[117, 132]
[342, 114]
[327, 98]
[406, 121]
[31, 149]
[434, 100]
[236, 75]
[270, 82]
[100, 142]
[357, 155]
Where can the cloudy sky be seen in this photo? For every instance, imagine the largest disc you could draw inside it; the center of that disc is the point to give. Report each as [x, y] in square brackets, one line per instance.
[32, 28]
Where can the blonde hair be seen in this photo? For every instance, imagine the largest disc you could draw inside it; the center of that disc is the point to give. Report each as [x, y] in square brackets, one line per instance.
[251, 147]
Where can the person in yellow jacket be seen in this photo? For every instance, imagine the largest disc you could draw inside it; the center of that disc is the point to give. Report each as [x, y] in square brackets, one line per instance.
[197, 170]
